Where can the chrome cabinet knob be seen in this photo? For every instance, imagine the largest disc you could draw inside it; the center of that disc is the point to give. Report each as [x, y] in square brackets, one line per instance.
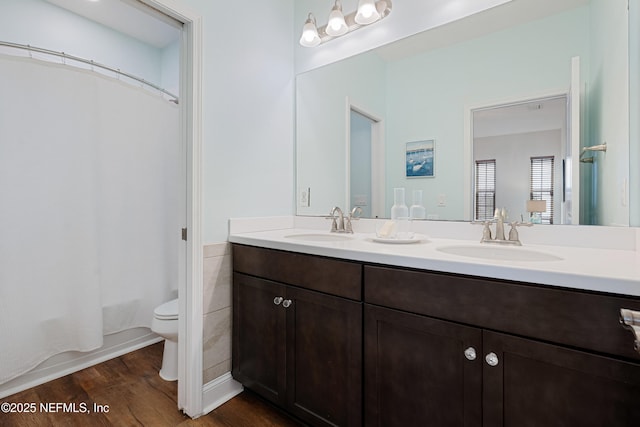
[492, 359]
[470, 353]
[277, 300]
[286, 303]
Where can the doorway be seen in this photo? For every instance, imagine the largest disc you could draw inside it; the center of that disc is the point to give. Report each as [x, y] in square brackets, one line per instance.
[190, 258]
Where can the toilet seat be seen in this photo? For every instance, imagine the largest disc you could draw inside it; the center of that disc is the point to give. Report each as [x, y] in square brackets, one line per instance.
[167, 311]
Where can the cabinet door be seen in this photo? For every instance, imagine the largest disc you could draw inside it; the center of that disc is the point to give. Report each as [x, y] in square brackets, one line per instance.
[324, 358]
[259, 353]
[417, 372]
[537, 384]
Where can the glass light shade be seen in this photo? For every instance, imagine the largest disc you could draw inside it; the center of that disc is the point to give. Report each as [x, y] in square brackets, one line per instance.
[310, 36]
[336, 25]
[367, 12]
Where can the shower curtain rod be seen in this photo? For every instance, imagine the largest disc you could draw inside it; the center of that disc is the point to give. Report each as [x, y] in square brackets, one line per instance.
[89, 62]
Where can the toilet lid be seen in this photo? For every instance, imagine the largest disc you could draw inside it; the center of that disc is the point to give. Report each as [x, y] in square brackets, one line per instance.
[167, 311]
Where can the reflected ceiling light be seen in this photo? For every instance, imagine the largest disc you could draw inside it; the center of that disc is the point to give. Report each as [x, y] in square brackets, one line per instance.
[368, 12]
[336, 25]
[310, 37]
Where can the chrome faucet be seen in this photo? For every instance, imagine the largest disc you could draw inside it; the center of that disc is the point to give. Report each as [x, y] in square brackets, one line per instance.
[337, 225]
[340, 224]
[499, 217]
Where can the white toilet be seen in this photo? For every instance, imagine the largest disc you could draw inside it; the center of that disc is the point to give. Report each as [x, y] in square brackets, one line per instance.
[165, 324]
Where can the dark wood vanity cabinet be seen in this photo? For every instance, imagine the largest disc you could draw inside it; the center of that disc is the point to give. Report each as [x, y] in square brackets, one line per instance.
[339, 343]
[413, 372]
[421, 370]
[298, 347]
[259, 337]
[539, 384]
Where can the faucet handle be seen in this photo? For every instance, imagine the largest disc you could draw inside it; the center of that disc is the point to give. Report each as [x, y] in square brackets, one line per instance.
[332, 217]
[513, 233]
[355, 213]
[486, 231]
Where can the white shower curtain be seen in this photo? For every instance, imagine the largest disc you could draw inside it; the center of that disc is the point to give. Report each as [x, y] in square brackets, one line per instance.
[89, 209]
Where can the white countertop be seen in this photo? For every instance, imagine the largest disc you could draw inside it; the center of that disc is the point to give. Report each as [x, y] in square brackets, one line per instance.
[596, 269]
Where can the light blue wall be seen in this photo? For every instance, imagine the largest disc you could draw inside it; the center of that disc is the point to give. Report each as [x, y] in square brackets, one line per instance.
[427, 95]
[248, 114]
[322, 111]
[608, 112]
[42, 24]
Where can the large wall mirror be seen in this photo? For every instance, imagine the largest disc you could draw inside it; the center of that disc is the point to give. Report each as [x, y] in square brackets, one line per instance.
[515, 84]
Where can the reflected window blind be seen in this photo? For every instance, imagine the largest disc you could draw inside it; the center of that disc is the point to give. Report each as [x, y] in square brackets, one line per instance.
[541, 181]
[485, 189]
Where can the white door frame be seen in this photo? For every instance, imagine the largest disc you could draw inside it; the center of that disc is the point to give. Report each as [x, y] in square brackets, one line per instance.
[190, 319]
[377, 158]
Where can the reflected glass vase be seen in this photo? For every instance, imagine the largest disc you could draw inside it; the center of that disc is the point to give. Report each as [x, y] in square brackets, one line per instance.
[399, 209]
[417, 210]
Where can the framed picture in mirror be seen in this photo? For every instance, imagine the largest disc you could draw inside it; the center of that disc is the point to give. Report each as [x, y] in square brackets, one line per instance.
[420, 159]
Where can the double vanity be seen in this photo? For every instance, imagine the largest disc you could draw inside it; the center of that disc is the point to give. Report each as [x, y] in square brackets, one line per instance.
[341, 329]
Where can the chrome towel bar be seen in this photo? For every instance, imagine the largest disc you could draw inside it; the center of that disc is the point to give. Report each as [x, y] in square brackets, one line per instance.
[630, 319]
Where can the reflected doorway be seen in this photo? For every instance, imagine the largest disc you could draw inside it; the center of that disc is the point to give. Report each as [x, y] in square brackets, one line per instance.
[365, 154]
[527, 145]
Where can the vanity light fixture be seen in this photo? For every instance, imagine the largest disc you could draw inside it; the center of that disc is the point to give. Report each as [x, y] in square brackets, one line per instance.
[310, 37]
[337, 26]
[368, 12]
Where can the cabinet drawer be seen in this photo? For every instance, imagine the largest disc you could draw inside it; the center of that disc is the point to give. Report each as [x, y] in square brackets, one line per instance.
[331, 276]
[574, 318]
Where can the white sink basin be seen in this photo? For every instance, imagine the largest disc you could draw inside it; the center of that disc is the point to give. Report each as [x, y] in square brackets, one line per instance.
[320, 237]
[500, 253]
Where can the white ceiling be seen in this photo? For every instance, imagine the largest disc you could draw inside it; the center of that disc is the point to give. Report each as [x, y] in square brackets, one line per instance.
[129, 17]
[535, 116]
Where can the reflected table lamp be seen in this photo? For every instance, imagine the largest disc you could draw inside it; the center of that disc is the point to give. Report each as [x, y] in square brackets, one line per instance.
[535, 208]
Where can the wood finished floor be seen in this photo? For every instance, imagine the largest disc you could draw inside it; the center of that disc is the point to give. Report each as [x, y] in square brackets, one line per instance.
[136, 396]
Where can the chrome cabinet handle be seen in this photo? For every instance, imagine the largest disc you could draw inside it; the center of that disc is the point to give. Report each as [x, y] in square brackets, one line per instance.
[492, 359]
[470, 353]
[277, 300]
[286, 303]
